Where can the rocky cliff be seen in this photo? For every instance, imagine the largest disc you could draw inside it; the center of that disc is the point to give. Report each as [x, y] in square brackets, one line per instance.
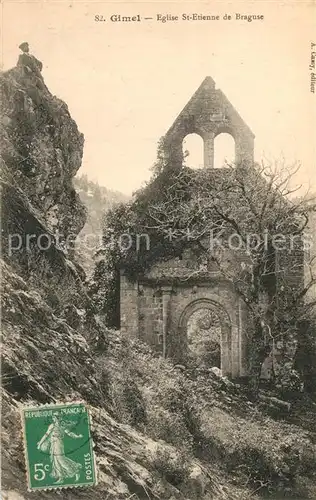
[52, 343]
[41, 151]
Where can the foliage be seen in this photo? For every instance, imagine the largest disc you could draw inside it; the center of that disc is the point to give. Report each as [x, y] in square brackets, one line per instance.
[199, 418]
[288, 381]
[174, 467]
[136, 388]
[104, 289]
[272, 460]
[204, 335]
[97, 199]
[95, 191]
[127, 401]
[250, 201]
[305, 357]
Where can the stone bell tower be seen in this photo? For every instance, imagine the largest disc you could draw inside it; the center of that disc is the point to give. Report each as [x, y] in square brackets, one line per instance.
[208, 114]
[159, 304]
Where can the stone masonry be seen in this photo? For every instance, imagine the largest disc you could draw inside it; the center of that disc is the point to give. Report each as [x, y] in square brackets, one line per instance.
[208, 114]
[157, 307]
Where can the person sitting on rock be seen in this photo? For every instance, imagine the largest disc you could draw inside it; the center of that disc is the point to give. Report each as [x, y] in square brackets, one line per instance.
[28, 61]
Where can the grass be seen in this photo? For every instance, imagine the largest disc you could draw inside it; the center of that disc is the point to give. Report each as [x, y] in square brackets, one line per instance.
[202, 419]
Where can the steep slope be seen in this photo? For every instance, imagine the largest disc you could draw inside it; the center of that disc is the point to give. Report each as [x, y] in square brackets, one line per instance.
[50, 338]
[41, 150]
[38, 347]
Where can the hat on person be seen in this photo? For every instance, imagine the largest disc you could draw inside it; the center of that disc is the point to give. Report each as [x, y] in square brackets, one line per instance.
[24, 46]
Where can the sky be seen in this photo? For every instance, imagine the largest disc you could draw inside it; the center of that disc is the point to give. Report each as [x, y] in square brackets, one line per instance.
[125, 83]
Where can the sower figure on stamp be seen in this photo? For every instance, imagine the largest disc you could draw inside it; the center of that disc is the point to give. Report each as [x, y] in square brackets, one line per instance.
[52, 442]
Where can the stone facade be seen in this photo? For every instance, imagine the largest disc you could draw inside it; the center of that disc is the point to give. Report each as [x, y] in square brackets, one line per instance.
[208, 114]
[158, 315]
[158, 306]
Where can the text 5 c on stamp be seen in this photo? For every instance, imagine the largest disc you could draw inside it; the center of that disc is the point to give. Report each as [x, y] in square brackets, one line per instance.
[58, 446]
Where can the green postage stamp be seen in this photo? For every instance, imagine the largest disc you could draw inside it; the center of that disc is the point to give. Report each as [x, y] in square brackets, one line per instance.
[58, 446]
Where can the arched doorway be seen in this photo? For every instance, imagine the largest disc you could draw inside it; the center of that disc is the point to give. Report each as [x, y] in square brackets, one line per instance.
[204, 338]
[205, 333]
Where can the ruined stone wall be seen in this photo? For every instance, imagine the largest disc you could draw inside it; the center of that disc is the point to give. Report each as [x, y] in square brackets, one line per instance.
[289, 269]
[141, 311]
[157, 307]
[150, 316]
[129, 306]
[208, 114]
[142, 315]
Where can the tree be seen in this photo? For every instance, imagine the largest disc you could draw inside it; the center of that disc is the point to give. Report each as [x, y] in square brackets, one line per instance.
[82, 182]
[252, 205]
[209, 209]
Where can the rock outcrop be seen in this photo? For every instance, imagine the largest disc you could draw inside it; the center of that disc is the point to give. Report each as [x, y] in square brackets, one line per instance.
[50, 334]
[41, 151]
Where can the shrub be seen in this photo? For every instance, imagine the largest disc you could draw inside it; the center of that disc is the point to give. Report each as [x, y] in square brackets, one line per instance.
[288, 382]
[168, 426]
[173, 467]
[269, 455]
[128, 403]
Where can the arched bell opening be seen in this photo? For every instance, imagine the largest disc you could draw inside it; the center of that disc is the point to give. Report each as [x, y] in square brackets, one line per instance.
[224, 150]
[193, 151]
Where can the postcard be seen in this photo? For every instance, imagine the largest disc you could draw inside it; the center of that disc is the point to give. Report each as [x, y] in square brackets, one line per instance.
[158, 249]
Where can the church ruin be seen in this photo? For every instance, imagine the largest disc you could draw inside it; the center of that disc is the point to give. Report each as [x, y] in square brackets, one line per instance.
[172, 305]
